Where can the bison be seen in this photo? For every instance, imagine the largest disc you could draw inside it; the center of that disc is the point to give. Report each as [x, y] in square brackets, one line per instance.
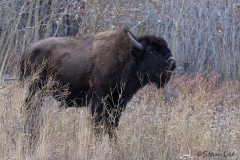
[104, 70]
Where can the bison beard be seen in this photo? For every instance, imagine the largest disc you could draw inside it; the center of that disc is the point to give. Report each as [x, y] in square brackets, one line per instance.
[108, 68]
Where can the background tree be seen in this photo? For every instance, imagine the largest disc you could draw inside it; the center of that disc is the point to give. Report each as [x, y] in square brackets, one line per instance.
[206, 38]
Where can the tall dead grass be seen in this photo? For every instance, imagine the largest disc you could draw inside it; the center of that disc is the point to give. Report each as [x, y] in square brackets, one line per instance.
[198, 119]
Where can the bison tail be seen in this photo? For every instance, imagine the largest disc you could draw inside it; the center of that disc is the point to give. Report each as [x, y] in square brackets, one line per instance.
[24, 73]
[22, 68]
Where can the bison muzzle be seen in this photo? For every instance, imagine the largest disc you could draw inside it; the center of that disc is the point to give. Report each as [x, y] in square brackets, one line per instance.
[103, 70]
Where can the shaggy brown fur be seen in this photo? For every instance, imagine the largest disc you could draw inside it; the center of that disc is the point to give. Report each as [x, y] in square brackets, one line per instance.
[105, 68]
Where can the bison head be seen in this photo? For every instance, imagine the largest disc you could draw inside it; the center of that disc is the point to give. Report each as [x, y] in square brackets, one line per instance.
[154, 58]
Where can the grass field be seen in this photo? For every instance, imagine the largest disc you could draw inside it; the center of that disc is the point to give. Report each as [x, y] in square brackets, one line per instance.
[199, 119]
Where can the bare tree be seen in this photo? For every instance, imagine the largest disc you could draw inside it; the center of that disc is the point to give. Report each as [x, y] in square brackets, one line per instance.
[206, 38]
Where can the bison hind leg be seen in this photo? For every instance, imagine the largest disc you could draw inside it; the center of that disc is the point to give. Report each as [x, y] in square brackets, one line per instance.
[33, 120]
[32, 112]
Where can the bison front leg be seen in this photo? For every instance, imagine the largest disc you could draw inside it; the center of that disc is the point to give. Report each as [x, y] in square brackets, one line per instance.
[105, 117]
[112, 118]
[97, 109]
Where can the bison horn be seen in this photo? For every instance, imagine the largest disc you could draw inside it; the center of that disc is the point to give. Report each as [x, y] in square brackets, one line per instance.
[134, 42]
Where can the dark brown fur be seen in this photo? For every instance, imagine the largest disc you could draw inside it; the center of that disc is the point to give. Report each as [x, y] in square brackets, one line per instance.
[97, 66]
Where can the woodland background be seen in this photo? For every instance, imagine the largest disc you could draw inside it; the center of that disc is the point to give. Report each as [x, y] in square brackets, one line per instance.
[203, 35]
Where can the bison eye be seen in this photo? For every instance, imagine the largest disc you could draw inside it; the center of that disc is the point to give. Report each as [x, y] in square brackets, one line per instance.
[151, 52]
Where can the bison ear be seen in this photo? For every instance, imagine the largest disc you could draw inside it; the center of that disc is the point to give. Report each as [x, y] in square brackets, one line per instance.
[136, 53]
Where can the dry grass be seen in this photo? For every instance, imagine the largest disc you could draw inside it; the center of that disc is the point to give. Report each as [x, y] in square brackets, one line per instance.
[201, 34]
[198, 115]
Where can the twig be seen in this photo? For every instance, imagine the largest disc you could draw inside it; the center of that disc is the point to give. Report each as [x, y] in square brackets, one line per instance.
[177, 28]
[150, 14]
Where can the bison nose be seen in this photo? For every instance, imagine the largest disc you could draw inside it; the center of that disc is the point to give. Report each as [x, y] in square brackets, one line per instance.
[171, 63]
[171, 59]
